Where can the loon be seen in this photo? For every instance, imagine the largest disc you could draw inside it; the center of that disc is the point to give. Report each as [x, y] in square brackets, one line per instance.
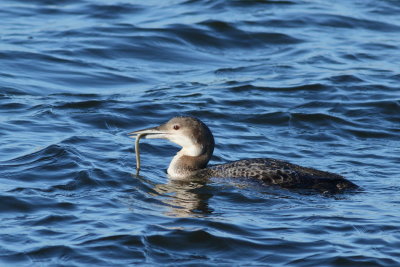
[197, 144]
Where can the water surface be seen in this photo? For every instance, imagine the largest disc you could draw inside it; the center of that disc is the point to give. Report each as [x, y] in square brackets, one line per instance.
[311, 82]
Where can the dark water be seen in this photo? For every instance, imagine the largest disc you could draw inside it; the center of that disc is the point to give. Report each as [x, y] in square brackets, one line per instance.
[312, 82]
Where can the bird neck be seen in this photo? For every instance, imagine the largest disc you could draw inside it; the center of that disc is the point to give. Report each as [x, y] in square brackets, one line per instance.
[184, 165]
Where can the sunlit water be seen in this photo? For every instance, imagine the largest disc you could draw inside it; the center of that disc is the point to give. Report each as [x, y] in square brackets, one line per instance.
[312, 82]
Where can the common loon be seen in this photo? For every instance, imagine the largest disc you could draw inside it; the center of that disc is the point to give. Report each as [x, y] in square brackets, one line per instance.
[197, 144]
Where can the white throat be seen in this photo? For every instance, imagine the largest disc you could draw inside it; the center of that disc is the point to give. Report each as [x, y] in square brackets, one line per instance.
[189, 147]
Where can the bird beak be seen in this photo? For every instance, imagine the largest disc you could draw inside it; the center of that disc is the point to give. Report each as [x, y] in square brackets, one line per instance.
[149, 133]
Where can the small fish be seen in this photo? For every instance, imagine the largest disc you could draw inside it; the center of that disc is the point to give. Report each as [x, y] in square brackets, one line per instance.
[146, 133]
[137, 151]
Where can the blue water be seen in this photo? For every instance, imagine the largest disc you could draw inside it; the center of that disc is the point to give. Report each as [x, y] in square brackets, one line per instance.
[315, 83]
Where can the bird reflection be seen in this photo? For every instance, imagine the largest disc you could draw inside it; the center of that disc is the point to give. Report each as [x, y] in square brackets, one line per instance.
[183, 198]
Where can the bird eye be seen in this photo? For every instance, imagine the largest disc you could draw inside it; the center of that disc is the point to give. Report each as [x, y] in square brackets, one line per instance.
[176, 127]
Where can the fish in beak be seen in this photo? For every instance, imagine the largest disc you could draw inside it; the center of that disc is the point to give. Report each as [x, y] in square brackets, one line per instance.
[149, 133]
